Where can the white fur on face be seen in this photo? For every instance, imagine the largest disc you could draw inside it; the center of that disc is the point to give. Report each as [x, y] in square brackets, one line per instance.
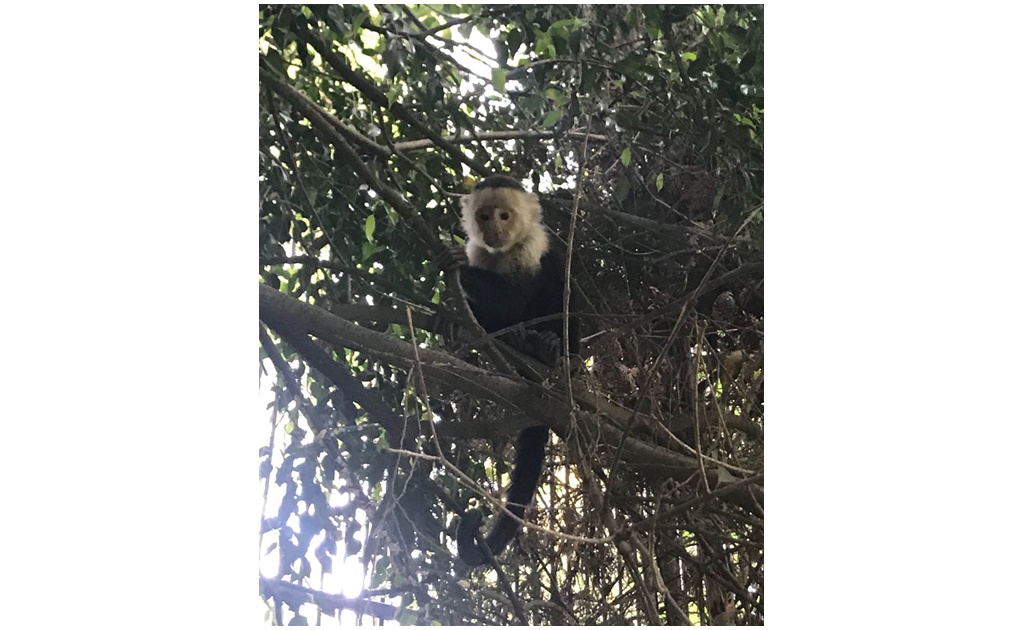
[526, 242]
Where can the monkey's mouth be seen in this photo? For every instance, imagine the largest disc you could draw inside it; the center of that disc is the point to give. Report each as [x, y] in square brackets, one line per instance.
[494, 245]
[496, 249]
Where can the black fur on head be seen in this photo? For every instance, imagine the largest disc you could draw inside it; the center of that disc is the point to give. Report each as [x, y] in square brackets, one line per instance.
[499, 181]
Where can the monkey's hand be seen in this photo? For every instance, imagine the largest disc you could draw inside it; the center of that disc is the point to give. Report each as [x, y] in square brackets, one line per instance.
[441, 325]
[544, 345]
[519, 338]
[452, 258]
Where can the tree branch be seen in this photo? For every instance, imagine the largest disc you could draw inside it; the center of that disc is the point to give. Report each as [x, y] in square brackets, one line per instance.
[512, 134]
[351, 158]
[370, 91]
[329, 603]
[545, 405]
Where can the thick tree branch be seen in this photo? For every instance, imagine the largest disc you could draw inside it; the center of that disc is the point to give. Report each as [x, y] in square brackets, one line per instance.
[546, 406]
[329, 603]
[512, 134]
[342, 378]
[277, 309]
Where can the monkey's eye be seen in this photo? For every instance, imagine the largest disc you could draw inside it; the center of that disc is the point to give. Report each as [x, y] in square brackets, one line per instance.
[504, 216]
[484, 216]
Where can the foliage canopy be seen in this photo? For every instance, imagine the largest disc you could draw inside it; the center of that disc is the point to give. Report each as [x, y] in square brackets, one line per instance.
[641, 128]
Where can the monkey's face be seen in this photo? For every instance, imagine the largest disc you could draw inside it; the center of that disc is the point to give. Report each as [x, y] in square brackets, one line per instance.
[498, 226]
[499, 217]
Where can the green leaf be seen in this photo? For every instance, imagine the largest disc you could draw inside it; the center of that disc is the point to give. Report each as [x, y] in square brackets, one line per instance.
[590, 76]
[368, 249]
[747, 62]
[393, 94]
[629, 65]
[498, 76]
[559, 99]
[544, 46]
[697, 66]
[626, 156]
[408, 617]
[622, 189]
[570, 24]
[552, 118]
[359, 19]
[514, 41]
[532, 103]
[725, 71]
[370, 227]
[660, 181]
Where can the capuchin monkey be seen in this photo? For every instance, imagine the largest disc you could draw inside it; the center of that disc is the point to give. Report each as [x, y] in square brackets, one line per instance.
[512, 276]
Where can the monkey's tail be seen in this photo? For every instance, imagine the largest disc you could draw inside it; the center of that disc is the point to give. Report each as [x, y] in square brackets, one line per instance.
[529, 458]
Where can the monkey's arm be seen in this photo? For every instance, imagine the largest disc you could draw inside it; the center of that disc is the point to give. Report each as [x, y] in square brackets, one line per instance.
[497, 297]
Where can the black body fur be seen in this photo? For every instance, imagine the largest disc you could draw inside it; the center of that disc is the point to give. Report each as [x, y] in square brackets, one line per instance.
[500, 300]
